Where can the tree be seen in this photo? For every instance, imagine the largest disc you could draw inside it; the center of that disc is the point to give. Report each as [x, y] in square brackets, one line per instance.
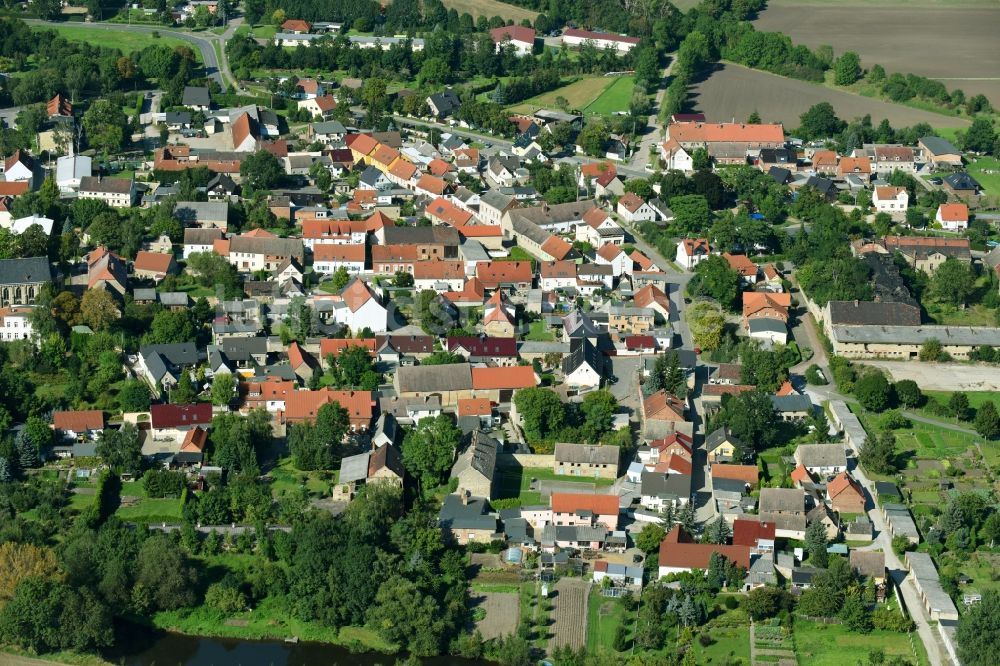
[598, 408]
[908, 393]
[429, 450]
[953, 282]
[854, 613]
[184, 393]
[164, 571]
[340, 279]
[650, 538]
[691, 213]
[987, 421]
[134, 396]
[816, 544]
[594, 137]
[754, 118]
[353, 364]
[751, 417]
[714, 277]
[706, 321]
[878, 453]
[958, 406]
[764, 602]
[873, 391]
[541, 411]
[98, 309]
[980, 137]
[931, 350]
[104, 123]
[260, 171]
[120, 449]
[820, 121]
[718, 531]
[223, 388]
[847, 69]
[19, 561]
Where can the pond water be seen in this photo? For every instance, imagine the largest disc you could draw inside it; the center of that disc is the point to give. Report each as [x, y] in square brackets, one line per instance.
[179, 650]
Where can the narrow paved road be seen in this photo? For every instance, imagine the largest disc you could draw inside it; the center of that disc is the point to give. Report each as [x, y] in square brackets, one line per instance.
[203, 42]
[654, 132]
[940, 424]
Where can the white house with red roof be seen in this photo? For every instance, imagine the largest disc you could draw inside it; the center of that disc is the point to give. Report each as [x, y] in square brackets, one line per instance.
[328, 258]
[518, 36]
[890, 199]
[692, 251]
[15, 323]
[602, 40]
[953, 216]
[356, 307]
[614, 256]
[676, 157]
[633, 209]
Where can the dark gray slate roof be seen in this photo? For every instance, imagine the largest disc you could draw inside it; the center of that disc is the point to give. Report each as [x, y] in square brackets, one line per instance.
[474, 515]
[195, 96]
[25, 271]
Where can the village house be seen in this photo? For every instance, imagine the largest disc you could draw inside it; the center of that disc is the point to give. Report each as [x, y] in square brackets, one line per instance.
[475, 467]
[466, 519]
[891, 200]
[822, 459]
[116, 192]
[600, 40]
[953, 216]
[679, 553]
[845, 495]
[585, 460]
[153, 266]
[691, 252]
[520, 38]
[785, 507]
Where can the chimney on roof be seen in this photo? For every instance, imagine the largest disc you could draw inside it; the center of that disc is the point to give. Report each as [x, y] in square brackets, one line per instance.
[464, 494]
[855, 302]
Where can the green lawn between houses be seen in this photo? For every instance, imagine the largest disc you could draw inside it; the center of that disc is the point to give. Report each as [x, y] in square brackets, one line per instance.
[515, 483]
[819, 644]
[604, 614]
[986, 170]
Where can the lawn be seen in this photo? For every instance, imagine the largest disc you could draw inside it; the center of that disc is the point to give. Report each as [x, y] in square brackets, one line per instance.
[729, 643]
[127, 42]
[491, 8]
[286, 478]
[615, 97]
[832, 644]
[268, 620]
[539, 332]
[515, 483]
[976, 400]
[578, 95]
[949, 315]
[604, 614]
[987, 171]
[147, 510]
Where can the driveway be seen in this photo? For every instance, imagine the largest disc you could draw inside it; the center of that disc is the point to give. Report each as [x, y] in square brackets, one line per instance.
[898, 571]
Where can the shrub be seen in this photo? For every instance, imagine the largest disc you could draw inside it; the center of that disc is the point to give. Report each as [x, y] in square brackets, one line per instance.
[814, 376]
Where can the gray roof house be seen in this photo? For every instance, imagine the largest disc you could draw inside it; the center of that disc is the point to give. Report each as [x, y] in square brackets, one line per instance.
[162, 364]
[467, 518]
[822, 459]
[196, 97]
[476, 465]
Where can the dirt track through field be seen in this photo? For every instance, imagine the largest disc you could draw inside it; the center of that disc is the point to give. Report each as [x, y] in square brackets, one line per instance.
[734, 92]
[957, 45]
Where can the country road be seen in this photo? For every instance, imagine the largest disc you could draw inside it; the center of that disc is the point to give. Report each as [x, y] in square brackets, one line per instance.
[204, 43]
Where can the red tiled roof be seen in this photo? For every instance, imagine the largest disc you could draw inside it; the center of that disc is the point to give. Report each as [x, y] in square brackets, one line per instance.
[362, 143]
[78, 420]
[800, 474]
[844, 483]
[854, 165]
[678, 550]
[631, 201]
[692, 245]
[741, 264]
[194, 441]
[609, 251]
[726, 132]
[600, 505]
[556, 247]
[649, 295]
[746, 473]
[607, 36]
[336, 345]
[474, 407]
[178, 416]
[484, 346]
[447, 212]
[153, 262]
[339, 252]
[785, 389]
[304, 405]
[13, 189]
[438, 167]
[438, 269]
[493, 273]
[296, 25]
[518, 377]
[725, 389]
[748, 532]
[954, 212]
[432, 184]
[662, 406]
[595, 169]
[640, 342]
[515, 33]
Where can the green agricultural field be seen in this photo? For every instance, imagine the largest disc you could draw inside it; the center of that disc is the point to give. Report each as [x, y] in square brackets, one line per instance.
[832, 645]
[615, 98]
[987, 171]
[578, 95]
[127, 42]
